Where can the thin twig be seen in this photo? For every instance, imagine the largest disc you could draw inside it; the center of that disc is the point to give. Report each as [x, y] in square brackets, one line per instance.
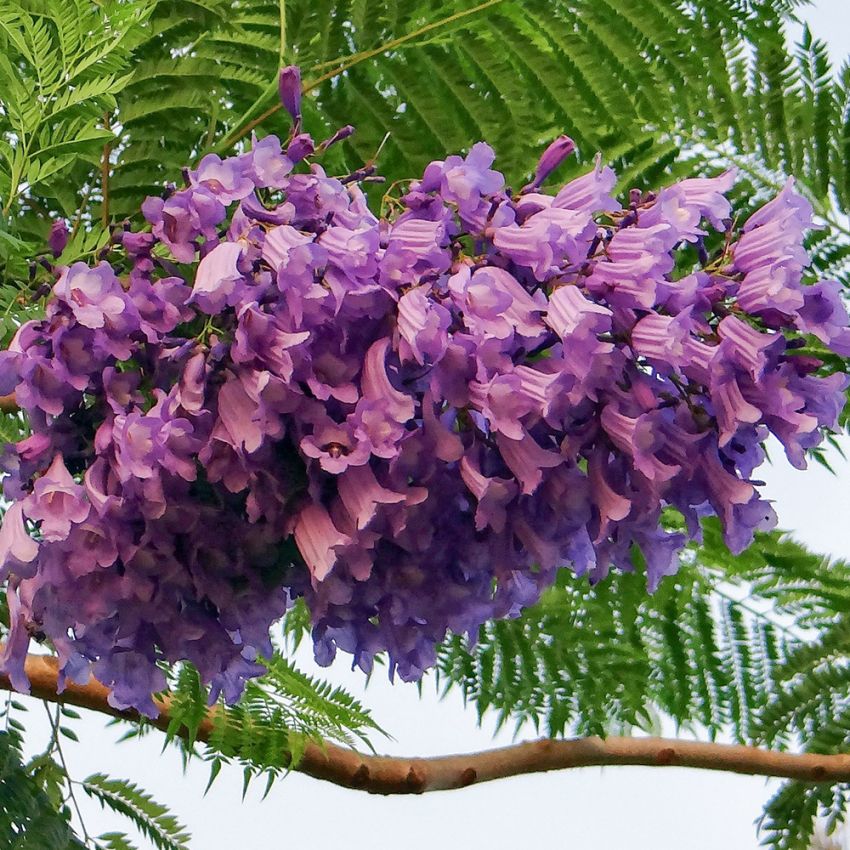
[104, 177]
[54, 722]
[346, 62]
[282, 48]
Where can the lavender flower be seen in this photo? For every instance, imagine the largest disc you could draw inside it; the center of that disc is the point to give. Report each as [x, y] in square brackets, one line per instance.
[56, 502]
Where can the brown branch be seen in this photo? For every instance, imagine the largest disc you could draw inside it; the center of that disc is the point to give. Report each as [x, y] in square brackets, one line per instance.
[403, 775]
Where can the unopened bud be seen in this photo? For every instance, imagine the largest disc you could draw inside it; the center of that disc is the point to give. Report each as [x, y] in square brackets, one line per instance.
[551, 158]
[58, 238]
[289, 87]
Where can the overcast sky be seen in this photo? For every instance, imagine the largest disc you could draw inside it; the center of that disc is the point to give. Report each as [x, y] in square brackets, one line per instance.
[589, 809]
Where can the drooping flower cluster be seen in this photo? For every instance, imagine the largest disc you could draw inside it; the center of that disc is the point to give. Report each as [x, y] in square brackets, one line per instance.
[410, 421]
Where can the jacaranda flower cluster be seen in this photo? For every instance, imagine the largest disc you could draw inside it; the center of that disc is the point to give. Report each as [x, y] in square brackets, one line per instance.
[411, 421]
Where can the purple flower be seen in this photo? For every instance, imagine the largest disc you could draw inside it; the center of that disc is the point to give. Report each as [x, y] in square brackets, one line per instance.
[590, 193]
[748, 347]
[708, 196]
[145, 444]
[611, 506]
[503, 404]
[547, 240]
[377, 386]
[17, 643]
[437, 409]
[10, 364]
[789, 207]
[352, 250]
[661, 339]
[638, 262]
[772, 290]
[18, 550]
[774, 233]
[415, 248]
[226, 179]
[638, 439]
[495, 304]
[161, 304]
[300, 148]
[132, 678]
[318, 539]
[269, 165]
[527, 460]
[493, 495]
[336, 447]
[182, 218]
[362, 496]
[824, 314]
[260, 340]
[57, 501]
[464, 181]
[94, 295]
[731, 408]
[423, 326]
[238, 421]
[573, 316]
[217, 277]
[377, 427]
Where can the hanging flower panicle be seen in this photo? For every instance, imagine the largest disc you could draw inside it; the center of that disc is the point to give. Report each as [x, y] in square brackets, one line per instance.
[411, 422]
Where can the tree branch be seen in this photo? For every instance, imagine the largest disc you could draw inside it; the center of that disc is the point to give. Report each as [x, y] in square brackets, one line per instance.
[403, 775]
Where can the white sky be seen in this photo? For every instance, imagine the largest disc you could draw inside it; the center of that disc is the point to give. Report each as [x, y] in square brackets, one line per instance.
[589, 809]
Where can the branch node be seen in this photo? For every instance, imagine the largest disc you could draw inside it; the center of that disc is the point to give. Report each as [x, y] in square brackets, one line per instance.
[667, 755]
[415, 779]
[360, 776]
[468, 777]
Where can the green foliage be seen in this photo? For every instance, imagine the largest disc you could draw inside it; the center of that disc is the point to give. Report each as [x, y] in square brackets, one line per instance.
[152, 819]
[591, 659]
[651, 84]
[266, 732]
[61, 67]
[750, 647]
[29, 819]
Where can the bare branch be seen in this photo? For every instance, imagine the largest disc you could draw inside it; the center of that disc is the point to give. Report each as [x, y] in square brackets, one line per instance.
[404, 775]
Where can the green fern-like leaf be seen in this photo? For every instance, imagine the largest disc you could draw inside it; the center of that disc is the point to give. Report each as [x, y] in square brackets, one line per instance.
[152, 819]
[29, 818]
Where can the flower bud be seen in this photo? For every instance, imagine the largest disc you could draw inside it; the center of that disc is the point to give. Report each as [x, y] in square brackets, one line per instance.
[551, 158]
[58, 238]
[338, 136]
[289, 87]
